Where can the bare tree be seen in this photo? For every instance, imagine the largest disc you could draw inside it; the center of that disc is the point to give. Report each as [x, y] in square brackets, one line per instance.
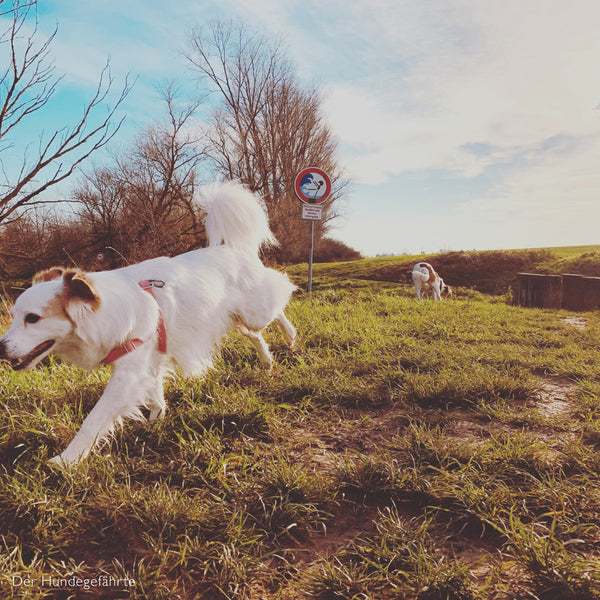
[267, 128]
[27, 85]
[37, 240]
[144, 204]
[100, 208]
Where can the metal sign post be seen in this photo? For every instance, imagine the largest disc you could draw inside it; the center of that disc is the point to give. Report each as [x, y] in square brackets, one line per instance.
[312, 187]
[312, 214]
[310, 256]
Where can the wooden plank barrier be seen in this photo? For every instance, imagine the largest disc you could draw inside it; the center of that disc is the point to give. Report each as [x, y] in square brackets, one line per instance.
[542, 291]
[580, 292]
[570, 291]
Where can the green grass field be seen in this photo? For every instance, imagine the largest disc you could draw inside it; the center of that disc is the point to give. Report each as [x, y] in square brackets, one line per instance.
[404, 450]
[571, 251]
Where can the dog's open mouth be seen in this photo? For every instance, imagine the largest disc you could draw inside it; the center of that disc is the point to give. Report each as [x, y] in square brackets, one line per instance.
[22, 363]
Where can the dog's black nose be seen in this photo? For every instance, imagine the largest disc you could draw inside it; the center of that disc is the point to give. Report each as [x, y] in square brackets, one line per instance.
[2, 350]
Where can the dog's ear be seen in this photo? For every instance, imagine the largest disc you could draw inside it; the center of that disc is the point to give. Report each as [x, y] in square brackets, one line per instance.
[48, 275]
[79, 288]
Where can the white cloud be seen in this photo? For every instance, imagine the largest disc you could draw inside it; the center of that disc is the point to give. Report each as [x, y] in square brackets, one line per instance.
[509, 75]
[557, 186]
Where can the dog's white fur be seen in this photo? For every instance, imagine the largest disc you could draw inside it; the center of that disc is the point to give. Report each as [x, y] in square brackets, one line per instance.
[206, 293]
[426, 280]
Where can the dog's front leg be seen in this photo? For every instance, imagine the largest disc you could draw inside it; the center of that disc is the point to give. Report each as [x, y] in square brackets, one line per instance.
[122, 398]
[156, 400]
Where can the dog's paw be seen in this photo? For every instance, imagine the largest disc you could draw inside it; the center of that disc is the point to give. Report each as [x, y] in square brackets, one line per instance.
[291, 340]
[156, 414]
[61, 462]
[56, 461]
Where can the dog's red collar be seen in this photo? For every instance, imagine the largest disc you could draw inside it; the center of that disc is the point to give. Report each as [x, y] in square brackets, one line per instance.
[131, 345]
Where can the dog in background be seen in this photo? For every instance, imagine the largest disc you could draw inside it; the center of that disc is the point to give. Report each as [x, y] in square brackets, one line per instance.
[426, 281]
[148, 318]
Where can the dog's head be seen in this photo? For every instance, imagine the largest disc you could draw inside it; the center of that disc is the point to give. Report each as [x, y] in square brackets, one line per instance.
[445, 290]
[46, 315]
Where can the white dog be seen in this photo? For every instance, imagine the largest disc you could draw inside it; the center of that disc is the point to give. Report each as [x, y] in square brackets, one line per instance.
[427, 280]
[147, 318]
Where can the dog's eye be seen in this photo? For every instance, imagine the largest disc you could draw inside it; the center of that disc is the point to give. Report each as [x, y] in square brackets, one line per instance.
[32, 318]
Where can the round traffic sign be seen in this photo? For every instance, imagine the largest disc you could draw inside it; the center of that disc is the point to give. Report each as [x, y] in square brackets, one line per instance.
[312, 185]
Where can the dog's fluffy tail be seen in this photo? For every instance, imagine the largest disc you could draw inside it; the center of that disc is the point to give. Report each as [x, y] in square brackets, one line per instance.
[235, 218]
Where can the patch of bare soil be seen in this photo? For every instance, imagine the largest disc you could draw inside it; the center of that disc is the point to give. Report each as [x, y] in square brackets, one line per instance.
[552, 401]
[555, 399]
[323, 444]
[576, 321]
[467, 427]
[347, 525]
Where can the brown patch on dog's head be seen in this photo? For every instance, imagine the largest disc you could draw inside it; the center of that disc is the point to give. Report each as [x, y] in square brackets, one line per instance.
[48, 275]
[79, 287]
[56, 308]
[446, 291]
[78, 292]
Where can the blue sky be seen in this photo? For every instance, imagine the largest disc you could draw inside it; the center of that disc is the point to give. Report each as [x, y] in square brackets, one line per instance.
[463, 124]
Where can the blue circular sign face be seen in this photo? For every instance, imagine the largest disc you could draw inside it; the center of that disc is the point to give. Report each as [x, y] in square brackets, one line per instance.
[312, 186]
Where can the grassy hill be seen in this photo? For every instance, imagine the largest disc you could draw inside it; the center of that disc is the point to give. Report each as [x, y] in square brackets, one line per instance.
[404, 451]
[491, 272]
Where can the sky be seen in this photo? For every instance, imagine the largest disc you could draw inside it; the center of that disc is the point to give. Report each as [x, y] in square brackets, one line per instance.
[462, 124]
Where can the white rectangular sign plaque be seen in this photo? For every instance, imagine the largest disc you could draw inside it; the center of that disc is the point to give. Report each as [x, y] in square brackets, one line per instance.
[312, 212]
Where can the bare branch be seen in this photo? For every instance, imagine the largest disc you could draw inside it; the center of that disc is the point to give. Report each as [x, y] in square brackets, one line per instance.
[27, 86]
[144, 205]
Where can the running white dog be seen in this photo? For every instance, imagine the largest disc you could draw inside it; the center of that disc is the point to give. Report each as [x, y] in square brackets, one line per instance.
[427, 280]
[147, 318]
